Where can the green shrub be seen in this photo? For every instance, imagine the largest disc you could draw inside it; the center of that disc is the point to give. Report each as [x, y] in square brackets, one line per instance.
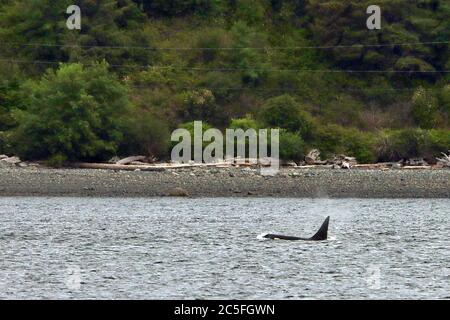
[292, 147]
[328, 139]
[199, 105]
[425, 109]
[247, 123]
[222, 85]
[250, 11]
[75, 113]
[9, 96]
[5, 145]
[444, 99]
[333, 139]
[285, 113]
[147, 134]
[251, 62]
[56, 160]
[5, 119]
[394, 145]
[439, 140]
[344, 110]
[433, 143]
[177, 7]
[189, 126]
[360, 145]
[210, 39]
[244, 123]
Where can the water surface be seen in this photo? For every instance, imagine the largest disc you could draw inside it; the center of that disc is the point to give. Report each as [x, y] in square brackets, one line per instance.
[85, 248]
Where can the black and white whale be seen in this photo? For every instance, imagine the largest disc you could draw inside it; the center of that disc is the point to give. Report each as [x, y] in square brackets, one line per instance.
[321, 235]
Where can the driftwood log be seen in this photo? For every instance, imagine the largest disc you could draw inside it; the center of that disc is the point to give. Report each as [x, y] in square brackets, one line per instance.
[106, 166]
[417, 167]
[445, 161]
[312, 157]
[130, 160]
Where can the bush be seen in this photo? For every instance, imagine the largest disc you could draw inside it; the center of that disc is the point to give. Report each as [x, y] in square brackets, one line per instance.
[209, 39]
[245, 123]
[439, 140]
[5, 146]
[250, 61]
[201, 105]
[344, 110]
[6, 119]
[56, 160]
[359, 145]
[74, 113]
[394, 145]
[285, 113]
[328, 140]
[189, 126]
[334, 139]
[176, 7]
[445, 98]
[433, 143]
[292, 147]
[147, 135]
[250, 11]
[425, 109]
[9, 97]
[222, 86]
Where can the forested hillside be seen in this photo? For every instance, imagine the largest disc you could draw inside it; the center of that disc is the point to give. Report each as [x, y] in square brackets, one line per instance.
[139, 69]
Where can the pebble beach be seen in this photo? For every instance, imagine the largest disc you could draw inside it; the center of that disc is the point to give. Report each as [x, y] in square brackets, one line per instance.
[226, 182]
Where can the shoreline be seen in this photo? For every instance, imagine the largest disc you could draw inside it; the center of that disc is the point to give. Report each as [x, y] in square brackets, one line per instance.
[226, 182]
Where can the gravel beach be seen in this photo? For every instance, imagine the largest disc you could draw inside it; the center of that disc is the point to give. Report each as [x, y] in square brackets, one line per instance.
[229, 182]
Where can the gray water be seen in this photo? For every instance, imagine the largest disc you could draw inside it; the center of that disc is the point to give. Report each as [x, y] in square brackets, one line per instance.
[82, 248]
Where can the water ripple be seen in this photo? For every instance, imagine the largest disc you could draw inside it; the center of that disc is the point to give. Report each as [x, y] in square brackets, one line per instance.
[77, 248]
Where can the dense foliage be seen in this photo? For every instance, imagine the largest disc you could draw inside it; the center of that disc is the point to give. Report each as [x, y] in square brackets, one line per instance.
[73, 113]
[140, 68]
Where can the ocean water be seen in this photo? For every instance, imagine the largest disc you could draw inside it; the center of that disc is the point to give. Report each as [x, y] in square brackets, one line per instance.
[166, 248]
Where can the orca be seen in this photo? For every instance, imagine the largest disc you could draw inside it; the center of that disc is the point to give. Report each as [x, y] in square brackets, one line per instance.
[321, 235]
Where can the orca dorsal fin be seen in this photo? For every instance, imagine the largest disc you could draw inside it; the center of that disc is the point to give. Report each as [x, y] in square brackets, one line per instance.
[322, 234]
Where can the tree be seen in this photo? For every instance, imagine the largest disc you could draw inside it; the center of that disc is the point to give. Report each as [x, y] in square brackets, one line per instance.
[148, 135]
[8, 97]
[74, 113]
[425, 109]
[284, 112]
[175, 7]
[36, 31]
[200, 105]
[23, 23]
[218, 61]
[244, 123]
[292, 147]
[334, 139]
[248, 60]
[114, 31]
[444, 99]
[343, 22]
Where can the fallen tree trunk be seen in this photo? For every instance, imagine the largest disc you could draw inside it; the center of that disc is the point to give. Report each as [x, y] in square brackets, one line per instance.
[129, 160]
[314, 166]
[445, 161]
[417, 167]
[106, 166]
[373, 166]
